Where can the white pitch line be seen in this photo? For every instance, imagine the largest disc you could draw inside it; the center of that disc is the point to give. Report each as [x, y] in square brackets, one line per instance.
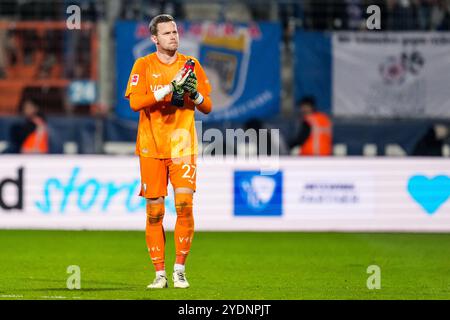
[54, 297]
[11, 296]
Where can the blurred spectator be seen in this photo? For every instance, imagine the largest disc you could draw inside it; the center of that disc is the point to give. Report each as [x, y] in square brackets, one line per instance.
[440, 15]
[38, 10]
[354, 15]
[334, 15]
[92, 10]
[424, 13]
[79, 55]
[143, 10]
[51, 10]
[315, 137]
[318, 13]
[432, 142]
[291, 15]
[31, 134]
[401, 15]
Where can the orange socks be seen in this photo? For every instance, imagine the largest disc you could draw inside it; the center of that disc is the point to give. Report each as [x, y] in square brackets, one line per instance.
[154, 234]
[184, 230]
[184, 227]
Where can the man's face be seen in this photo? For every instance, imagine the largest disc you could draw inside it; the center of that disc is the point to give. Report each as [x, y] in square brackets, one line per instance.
[167, 36]
[306, 109]
[29, 109]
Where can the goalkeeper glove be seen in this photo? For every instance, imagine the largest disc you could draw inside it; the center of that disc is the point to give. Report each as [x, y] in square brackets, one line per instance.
[176, 85]
[190, 86]
[180, 79]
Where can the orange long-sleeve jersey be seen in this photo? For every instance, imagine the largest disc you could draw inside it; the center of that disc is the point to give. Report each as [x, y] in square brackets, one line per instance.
[165, 131]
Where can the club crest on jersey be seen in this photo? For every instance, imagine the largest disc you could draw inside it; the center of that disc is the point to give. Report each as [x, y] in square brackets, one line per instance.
[134, 80]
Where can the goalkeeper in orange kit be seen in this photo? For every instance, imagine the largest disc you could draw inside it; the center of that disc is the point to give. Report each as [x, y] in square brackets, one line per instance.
[167, 141]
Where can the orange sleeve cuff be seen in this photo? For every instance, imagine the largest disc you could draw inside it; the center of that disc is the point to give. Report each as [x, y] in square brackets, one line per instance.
[206, 106]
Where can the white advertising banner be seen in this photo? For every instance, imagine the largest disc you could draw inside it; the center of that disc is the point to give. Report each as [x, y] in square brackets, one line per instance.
[391, 74]
[296, 194]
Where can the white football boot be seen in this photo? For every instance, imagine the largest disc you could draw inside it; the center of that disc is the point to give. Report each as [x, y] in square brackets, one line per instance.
[160, 282]
[179, 280]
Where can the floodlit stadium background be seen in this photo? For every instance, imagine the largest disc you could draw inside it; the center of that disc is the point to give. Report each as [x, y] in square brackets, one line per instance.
[386, 92]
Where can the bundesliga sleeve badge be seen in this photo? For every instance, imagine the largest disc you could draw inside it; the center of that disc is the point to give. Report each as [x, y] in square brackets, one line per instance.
[134, 80]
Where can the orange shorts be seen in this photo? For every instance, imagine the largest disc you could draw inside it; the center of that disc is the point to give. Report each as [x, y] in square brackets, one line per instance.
[155, 174]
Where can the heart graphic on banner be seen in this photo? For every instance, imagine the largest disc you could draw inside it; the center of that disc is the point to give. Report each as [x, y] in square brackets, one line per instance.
[430, 193]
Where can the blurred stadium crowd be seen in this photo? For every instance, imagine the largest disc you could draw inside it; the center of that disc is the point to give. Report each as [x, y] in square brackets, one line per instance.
[40, 63]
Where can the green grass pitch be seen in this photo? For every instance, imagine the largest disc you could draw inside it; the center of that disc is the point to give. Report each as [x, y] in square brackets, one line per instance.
[227, 265]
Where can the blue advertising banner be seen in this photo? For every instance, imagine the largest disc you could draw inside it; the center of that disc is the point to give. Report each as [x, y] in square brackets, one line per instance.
[241, 61]
[313, 65]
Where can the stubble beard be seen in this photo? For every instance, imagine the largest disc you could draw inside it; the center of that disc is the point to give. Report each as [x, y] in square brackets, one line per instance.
[169, 51]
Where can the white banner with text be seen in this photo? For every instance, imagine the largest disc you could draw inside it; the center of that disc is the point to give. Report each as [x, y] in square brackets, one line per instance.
[296, 194]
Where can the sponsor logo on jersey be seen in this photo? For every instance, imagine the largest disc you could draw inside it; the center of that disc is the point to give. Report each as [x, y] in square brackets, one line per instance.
[155, 87]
